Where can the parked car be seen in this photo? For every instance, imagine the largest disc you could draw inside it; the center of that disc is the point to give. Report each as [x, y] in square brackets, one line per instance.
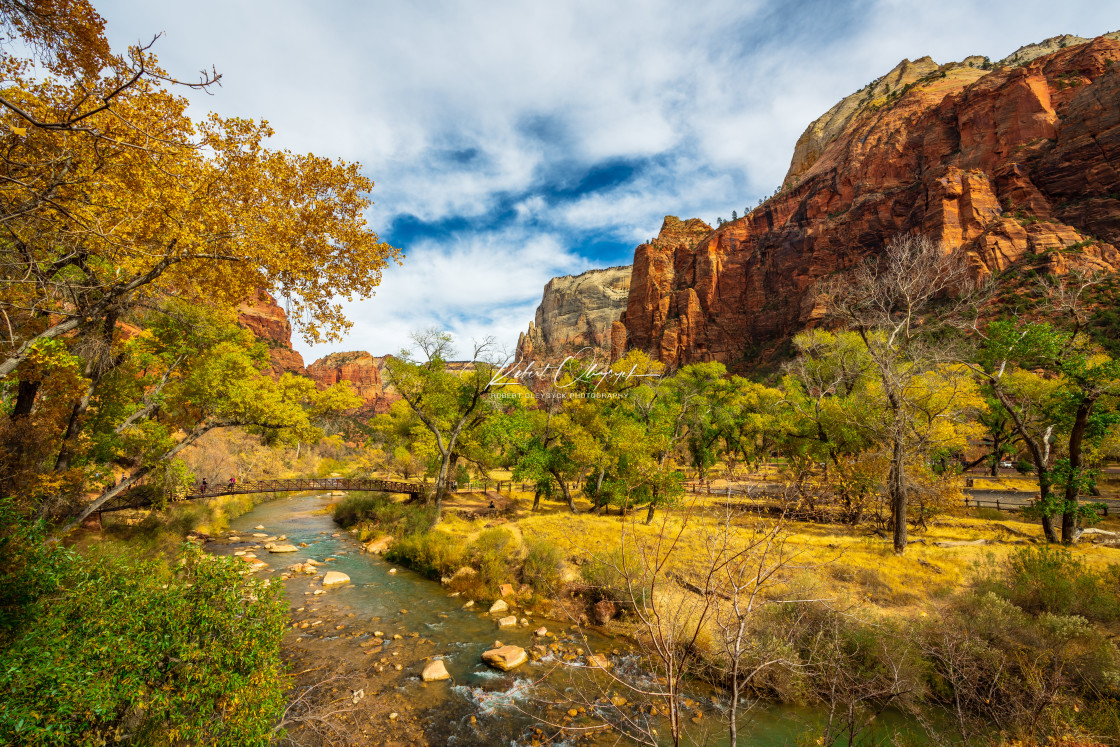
[1006, 464]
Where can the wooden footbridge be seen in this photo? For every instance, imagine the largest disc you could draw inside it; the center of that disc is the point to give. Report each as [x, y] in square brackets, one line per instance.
[142, 496]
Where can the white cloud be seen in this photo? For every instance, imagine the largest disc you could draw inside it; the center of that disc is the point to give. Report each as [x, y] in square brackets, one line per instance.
[485, 284]
[712, 96]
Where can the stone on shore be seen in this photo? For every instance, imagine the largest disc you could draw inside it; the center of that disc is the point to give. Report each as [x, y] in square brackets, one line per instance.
[434, 671]
[379, 545]
[334, 578]
[499, 606]
[505, 658]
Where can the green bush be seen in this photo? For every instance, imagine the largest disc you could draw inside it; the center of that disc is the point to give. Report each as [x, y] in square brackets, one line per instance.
[30, 569]
[434, 554]
[381, 511]
[608, 577]
[129, 649]
[490, 555]
[541, 567]
[1051, 580]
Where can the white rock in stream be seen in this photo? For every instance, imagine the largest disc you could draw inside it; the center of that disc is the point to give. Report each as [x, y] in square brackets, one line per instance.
[506, 657]
[334, 578]
[283, 548]
[434, 671]
[499, 606]
[507, 622]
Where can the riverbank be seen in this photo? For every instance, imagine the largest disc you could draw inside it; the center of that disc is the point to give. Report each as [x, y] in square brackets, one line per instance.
[968, 583]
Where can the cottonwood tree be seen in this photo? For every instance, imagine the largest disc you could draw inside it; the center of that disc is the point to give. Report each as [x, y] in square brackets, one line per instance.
[900, 303]
[449, 397]
[1060, 388]
[191, 371]
[111, 196]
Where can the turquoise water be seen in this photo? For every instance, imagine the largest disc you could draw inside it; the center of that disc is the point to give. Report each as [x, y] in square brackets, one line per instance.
[507, 707]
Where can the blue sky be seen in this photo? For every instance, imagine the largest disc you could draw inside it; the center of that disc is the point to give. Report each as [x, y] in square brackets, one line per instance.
[514, 141]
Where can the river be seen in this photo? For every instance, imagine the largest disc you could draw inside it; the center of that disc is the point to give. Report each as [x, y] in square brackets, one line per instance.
[479, 705]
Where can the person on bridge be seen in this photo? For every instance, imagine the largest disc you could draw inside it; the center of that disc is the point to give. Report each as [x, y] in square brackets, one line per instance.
[232, 482]
[204, 485]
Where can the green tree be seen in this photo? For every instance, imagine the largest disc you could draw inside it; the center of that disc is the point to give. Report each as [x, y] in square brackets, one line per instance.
[448, 397]
[190, 371]
[901, 303]
[1057, 386]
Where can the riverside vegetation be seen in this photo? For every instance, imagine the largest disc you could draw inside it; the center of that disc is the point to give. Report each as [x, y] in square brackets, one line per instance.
[132, 230]
[820, 582]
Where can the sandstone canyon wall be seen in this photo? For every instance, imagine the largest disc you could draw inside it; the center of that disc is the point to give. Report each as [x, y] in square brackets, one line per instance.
[576, 311]
[1016, 162]
[261, 315]
[365, 373]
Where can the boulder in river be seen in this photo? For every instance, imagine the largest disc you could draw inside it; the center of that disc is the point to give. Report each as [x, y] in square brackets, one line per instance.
[499, 606]
[505, 658]
[507, 622]
[541, 632]
[283, 548]
[435, 670]
[598, 660]
[334, 578]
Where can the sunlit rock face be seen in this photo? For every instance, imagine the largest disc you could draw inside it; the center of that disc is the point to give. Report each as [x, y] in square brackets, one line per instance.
[1008, 161]
[261, 315]
[363, 371]
[576, 312]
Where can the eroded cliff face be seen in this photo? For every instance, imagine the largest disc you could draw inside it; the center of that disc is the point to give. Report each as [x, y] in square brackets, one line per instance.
[365, 373]
[1017, 163]
[576, 311]
[261, 315]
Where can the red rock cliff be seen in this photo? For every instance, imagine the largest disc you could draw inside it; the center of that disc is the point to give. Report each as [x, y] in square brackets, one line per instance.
[363, 371]
[261, 315]
[1018, 161]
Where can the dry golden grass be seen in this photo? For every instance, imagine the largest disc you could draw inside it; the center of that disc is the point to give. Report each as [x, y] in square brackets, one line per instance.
[848, 563]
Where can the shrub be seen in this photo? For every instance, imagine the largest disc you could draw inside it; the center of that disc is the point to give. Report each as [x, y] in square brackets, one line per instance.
[988, 514]
[129, 646]
[31, 569]
[489, 553]
[617, 577]
[1049, 579]
[541, 567]
[381, 511]
[434, 553]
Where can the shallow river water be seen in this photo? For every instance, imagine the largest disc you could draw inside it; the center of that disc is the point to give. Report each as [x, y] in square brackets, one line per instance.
[505, 706]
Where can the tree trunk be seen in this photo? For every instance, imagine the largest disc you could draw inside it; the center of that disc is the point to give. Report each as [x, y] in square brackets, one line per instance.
[1076, 437]
[441, 486]
[897, 492]
[25, 398]
[649, 514]
[1044, 486]
[537, 499]
[567, 493]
